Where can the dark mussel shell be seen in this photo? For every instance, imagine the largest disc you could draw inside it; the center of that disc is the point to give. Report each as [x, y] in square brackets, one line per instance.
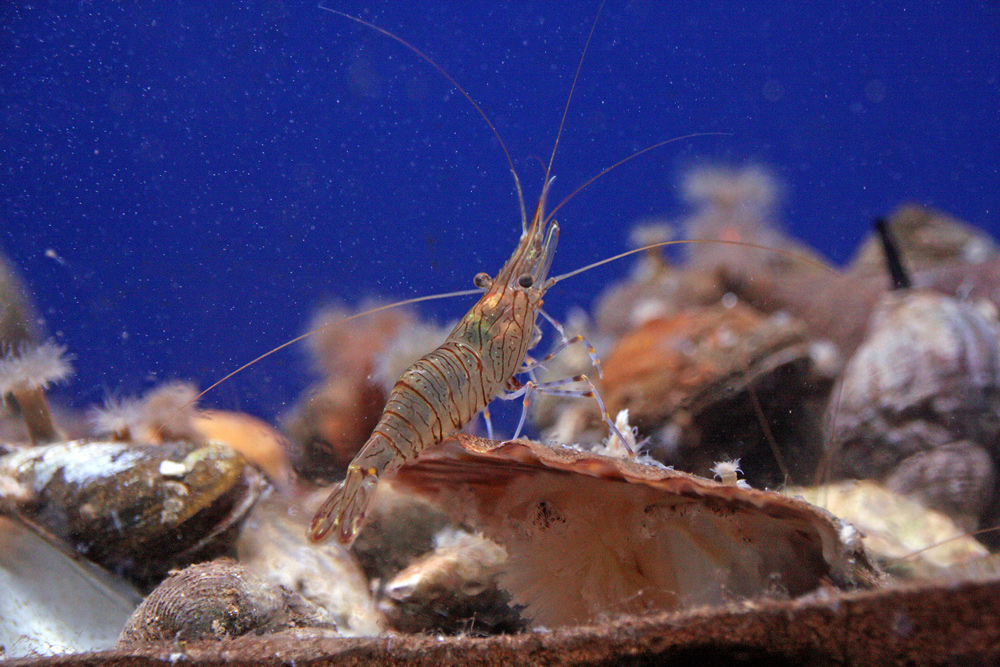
[138, 510]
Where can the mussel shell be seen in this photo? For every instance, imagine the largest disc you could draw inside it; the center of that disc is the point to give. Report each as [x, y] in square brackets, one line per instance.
[213, 600]
[928, 375]
[135, 509]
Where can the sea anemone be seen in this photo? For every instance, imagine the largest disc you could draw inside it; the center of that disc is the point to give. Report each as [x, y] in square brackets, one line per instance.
[25, 373]
[118, 418]
[168, 413]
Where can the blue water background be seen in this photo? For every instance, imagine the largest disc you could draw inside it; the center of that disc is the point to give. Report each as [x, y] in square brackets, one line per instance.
[184, 183]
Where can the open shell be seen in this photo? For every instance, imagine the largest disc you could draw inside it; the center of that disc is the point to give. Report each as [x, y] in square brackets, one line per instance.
[697, 380]
[591, 536]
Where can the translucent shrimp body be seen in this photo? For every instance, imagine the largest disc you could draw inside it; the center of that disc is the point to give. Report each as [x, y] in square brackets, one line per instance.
[447, 387]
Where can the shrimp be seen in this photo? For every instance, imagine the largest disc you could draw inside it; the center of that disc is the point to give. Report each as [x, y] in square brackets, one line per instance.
[440, 393]
[447, 387]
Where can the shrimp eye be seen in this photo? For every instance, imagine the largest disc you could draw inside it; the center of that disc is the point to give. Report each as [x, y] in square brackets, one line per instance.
[481, 280]
[525, 280]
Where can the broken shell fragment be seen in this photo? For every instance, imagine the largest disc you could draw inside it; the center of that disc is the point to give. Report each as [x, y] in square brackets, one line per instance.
[904, 537]
[138, 510]
[273, 545]
[454, 589]
[53, 603]
[213, 600]
[589, 536]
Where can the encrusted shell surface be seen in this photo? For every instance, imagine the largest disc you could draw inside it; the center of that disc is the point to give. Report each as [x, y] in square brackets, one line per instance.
[918, 404]
[135, 509]
[590, 536]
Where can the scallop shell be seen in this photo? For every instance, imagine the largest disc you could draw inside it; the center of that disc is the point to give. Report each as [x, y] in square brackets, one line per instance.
[590, 536]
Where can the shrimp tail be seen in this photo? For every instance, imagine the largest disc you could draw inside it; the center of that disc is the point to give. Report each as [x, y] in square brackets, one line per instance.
[345, 508]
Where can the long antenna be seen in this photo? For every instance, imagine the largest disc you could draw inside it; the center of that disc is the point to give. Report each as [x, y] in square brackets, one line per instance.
[397, 304]
[444, 73]
[569, 98]
[629, 158]
[662, 244]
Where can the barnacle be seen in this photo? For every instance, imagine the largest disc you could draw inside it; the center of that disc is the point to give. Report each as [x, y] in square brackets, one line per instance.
[928, 238]
[613, 445]
[727, 471]
[927, 377]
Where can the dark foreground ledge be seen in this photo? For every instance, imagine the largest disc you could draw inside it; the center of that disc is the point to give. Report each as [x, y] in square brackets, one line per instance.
[929, 624]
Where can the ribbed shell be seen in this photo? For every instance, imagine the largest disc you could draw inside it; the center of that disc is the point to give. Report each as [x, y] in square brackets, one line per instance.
[928, 374]
[207, 601]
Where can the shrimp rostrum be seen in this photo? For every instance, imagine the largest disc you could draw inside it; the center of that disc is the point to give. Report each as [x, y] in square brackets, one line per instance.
[446, 388]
